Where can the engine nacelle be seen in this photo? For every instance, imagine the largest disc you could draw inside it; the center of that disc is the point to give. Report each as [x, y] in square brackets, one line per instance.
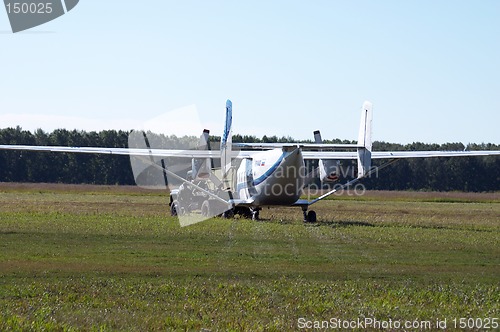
[201, 168]
[329, 170]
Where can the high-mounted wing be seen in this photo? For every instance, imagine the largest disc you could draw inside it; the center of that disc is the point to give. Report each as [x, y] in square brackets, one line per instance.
[303, 146]
[117, 151]
[396, 154]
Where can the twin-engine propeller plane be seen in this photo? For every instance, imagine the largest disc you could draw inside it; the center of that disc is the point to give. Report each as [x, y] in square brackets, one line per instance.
[253, 176]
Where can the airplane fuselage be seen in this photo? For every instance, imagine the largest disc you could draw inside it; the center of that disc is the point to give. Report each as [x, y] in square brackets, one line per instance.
[274, 177]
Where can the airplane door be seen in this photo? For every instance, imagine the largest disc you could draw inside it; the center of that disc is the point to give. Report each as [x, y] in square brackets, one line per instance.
[245, 185]
[249, 178]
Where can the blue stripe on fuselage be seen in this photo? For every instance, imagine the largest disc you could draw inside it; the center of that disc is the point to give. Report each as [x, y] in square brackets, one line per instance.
[269, 172]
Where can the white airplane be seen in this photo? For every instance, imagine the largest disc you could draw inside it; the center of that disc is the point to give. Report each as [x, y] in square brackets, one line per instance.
[253, 176]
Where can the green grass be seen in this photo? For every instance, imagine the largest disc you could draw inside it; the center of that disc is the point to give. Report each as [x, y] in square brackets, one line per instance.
[86, 259]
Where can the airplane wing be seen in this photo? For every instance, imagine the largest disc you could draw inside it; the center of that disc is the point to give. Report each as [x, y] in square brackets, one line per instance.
[130, 152]
[396, 154]
[431, 154]
[345, 155]
[117, 151]
[392, 157]
[303, 146]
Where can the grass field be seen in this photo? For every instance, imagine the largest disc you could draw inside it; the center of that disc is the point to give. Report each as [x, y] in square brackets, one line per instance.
[111, 258]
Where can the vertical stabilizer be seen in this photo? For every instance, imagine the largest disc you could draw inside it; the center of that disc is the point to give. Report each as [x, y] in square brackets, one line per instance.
[365, 140]
[227, 140]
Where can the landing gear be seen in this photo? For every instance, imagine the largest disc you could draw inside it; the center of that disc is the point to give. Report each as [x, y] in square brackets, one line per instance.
[255, 214]
[229, 214]
[247, 212]
[173, 208]
[309, 217]
[205, 209]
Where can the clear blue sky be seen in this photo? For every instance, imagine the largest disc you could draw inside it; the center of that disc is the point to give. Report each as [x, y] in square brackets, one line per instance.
[431, 68]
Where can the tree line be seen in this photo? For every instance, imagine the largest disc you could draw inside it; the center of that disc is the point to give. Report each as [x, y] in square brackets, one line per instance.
[439, 174]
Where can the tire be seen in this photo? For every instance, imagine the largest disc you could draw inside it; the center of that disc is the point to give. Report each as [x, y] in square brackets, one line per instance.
[311, 216]
[229, 214]
[245, 213]
[205, 209]
[173, 209]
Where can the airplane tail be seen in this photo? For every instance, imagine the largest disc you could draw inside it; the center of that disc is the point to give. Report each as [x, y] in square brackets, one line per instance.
[365, 140]
[227, 140]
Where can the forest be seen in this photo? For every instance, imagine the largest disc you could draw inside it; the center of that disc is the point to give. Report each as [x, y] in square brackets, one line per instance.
[476, 174]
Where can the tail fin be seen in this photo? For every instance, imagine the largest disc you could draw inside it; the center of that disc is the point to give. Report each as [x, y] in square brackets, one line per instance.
[227, 140]
[365, 140]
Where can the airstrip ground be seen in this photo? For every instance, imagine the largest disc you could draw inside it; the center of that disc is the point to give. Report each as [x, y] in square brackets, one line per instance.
[111, 258]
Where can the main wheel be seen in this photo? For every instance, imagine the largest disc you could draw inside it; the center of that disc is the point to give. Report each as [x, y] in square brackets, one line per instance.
[244, 212]
[229, 214]
[311, 216]
[205, 209]
[173, 209]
